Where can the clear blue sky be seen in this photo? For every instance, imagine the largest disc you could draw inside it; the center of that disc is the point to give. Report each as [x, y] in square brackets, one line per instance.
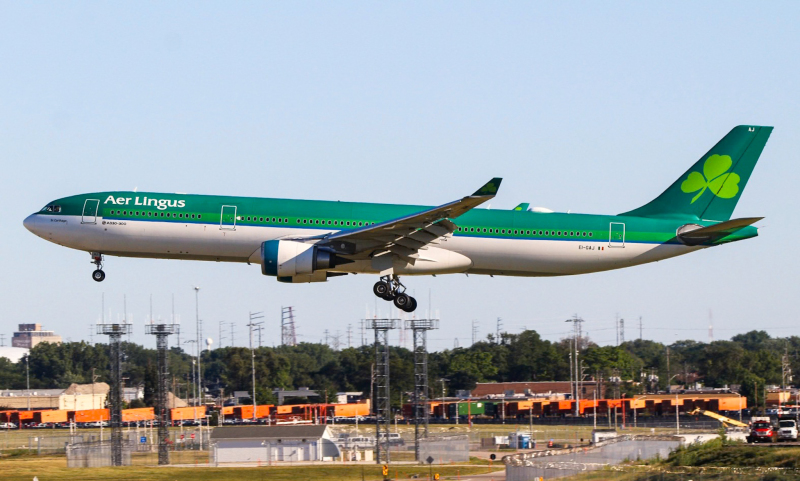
[587, 106]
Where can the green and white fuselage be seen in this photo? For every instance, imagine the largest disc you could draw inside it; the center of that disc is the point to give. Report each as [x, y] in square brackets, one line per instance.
[232, 229]
[311, 241]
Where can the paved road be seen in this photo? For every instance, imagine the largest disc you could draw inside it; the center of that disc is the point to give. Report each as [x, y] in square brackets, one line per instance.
[495, 476]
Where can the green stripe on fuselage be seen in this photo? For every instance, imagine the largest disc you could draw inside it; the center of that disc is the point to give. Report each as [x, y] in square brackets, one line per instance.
[333, 215]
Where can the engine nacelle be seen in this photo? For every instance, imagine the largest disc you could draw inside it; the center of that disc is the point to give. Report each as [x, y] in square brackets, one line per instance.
[282, 258]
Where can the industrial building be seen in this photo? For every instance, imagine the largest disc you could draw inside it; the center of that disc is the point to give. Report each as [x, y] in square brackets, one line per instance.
[268, 444]
[74, 398]
[546, 389]
[30, 335]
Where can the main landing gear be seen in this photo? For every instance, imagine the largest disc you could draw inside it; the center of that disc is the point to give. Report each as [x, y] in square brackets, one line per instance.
[97, 259]
[389, 288]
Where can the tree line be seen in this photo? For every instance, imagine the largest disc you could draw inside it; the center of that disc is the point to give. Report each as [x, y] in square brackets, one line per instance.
[750, 360]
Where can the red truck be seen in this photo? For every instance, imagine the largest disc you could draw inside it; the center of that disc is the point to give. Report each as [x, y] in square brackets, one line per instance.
[761, 430]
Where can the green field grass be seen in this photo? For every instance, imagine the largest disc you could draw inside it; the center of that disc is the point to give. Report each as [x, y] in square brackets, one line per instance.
[45, 468]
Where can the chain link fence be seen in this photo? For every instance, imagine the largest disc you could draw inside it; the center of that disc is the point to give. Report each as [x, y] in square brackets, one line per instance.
[95, 454]
[562, 463]
[444, 449]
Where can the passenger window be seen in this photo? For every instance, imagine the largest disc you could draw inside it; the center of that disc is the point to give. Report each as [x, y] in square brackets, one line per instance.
[590, 234]
[571, 233]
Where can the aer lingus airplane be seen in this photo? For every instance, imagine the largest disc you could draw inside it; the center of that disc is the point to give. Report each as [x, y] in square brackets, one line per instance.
[311, 241]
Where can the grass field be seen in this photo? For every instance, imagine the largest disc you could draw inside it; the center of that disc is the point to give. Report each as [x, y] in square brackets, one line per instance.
[47, 468]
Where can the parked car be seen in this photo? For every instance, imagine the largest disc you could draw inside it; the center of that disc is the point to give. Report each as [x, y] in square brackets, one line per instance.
[787, 429]
[395, 439]
[360, 442]
[8, 426]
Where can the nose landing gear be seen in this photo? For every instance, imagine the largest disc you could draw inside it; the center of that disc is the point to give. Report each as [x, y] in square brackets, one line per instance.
[390, 288]
[97, 259]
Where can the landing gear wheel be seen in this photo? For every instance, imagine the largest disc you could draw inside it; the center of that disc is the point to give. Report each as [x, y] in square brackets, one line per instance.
[381, 289]
[402, 301]
[98, 275]
[412, 305]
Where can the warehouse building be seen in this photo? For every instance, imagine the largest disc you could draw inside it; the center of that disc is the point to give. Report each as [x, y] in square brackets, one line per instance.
[270, 444]
[75, 397]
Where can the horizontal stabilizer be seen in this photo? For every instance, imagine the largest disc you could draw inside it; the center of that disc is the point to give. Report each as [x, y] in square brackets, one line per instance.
[713, 233]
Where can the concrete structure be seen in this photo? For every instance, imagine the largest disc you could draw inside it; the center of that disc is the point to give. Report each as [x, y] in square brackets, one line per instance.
[30, 335]
[76, 397]
[554, 389]
[269, 444]
[302, 392]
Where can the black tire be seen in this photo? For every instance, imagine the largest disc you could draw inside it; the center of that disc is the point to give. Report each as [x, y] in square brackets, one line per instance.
[381, 289]
[98, 275]
[412, 306]
[402, 301]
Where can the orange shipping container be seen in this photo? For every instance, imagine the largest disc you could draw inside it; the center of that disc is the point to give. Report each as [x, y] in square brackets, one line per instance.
[227, 410]
[91, 415]
[54, 416]
[182, 414]
[351, 410]
[262, 411]
[139, 414]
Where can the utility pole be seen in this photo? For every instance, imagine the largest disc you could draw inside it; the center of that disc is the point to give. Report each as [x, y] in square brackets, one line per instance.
[576, 330]
[253, 316]
[640, 328]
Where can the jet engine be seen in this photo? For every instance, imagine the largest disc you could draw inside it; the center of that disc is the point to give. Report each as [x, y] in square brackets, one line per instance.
[284, 258]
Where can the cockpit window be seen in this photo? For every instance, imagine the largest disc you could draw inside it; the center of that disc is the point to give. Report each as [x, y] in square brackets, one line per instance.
[52, 208]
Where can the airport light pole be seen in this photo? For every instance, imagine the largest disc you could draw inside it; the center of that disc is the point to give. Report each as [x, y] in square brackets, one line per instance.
[253, 316]
[199, 343]
[444, 406]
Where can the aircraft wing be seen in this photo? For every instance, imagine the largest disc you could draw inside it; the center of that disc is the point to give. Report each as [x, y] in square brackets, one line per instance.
[405, 236]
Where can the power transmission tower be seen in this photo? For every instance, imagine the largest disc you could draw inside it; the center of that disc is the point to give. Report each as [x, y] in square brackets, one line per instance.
[421, 411]
[455, 343]
[233, 326]
[499, 329]
[474, 331]
[382, 400]
[162, 332]
[288, 332]
[640, 328]
[622, 331]
[349, 336]
[221, 337]
[115, 333]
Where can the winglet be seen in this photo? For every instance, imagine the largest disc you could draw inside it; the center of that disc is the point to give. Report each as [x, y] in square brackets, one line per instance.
[489, 189]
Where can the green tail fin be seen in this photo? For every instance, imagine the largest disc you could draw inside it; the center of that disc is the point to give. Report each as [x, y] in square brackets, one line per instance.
[712, 187]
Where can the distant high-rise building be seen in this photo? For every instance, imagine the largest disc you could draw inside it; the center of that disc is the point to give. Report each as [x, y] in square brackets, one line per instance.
[30, 335]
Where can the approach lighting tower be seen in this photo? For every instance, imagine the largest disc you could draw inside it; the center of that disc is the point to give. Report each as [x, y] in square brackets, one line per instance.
[115, 333]
[162, 333]
[420, 405]
[288, 333]
[381, 375]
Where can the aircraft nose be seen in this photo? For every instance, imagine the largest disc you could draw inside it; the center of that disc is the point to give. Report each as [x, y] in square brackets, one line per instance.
[30, 223]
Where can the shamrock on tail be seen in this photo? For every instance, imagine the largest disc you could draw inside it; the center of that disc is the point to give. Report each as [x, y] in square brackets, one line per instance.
[714, 178]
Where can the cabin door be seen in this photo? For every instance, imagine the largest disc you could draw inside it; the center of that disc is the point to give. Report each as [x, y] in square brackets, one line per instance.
[227, 219]
[90, 211]
[616, 234]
